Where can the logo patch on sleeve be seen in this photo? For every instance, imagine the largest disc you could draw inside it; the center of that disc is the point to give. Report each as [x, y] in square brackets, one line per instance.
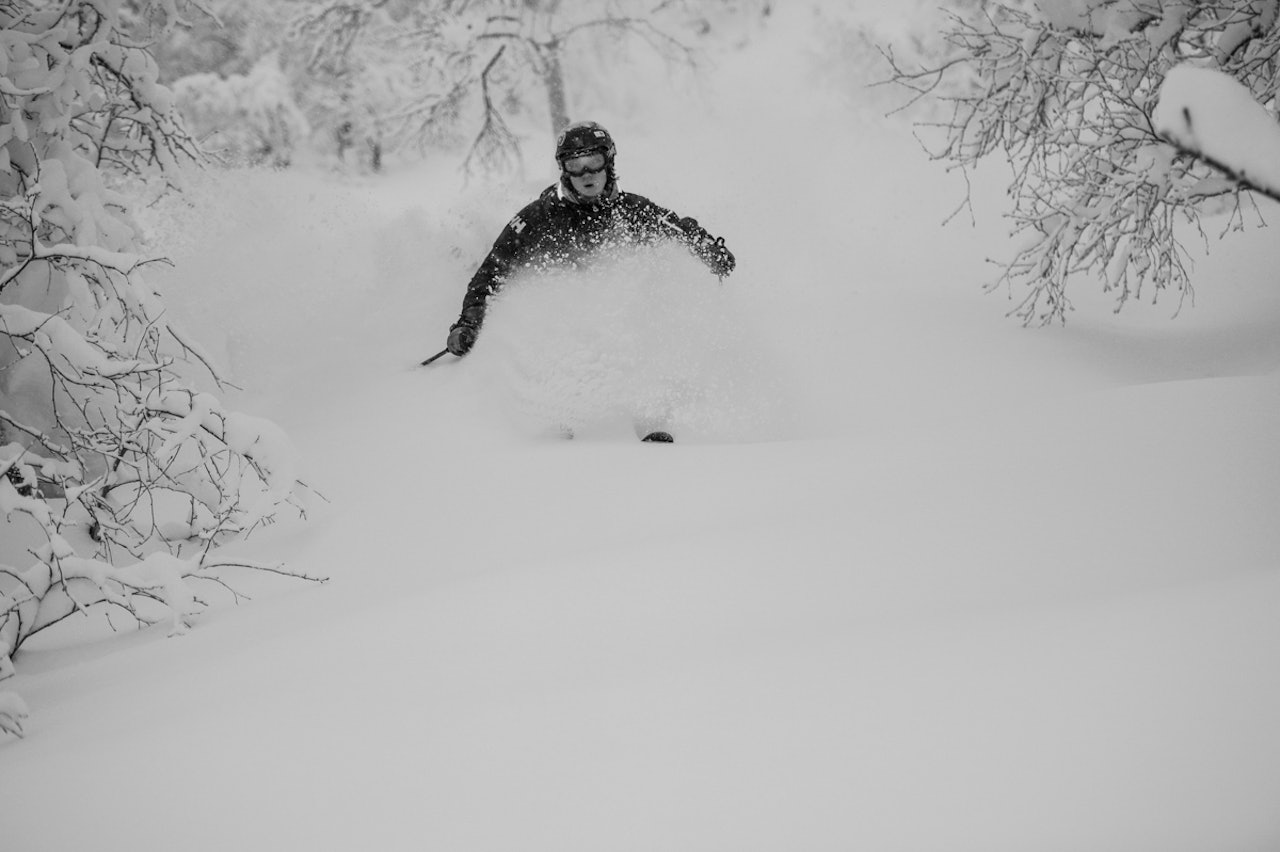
[517, 224]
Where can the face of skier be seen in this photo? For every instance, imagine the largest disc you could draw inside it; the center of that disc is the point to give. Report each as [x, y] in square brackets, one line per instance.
[588, 174]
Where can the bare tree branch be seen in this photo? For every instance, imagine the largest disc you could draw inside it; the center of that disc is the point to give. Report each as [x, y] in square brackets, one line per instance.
[495, 146]
[1096, 192]
[1232, 173]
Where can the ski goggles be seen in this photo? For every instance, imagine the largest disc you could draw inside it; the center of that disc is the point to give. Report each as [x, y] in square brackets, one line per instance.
[584, 164]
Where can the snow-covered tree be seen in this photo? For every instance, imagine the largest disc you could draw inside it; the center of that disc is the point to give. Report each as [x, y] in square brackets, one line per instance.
[1067, 90]
[251, 118]
[458, 72]
[232, 38]
[349, 75]
[117, 476]
[371, 76]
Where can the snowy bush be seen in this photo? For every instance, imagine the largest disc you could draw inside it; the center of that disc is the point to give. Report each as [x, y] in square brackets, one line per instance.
[245, 118]
[110, 459]
[1067, 89]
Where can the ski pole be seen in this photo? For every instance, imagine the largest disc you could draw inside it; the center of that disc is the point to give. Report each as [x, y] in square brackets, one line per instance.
[439, 354]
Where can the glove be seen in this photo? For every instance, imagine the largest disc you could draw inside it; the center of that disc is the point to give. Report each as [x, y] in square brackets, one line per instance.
[463, 333]
[718, 258]
[710, 250]
[461, 338]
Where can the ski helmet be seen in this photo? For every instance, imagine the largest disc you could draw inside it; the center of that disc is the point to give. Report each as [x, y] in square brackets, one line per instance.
[584, 137]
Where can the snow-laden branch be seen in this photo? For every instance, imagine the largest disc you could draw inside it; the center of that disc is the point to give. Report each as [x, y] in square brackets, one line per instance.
[121, 475]
[1211, 116]
[13, 712]
[1102, 186]
[61, 343]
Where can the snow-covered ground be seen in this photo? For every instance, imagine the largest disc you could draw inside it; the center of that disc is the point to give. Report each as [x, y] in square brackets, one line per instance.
[913, 577]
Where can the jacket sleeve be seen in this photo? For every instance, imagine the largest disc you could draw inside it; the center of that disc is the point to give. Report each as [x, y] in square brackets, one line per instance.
[709, 249]
[508, 251]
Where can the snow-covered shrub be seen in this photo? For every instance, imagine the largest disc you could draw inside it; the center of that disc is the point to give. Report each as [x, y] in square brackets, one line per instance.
[245, 118]
[110, 460]
[351, 76]
[1067, 89]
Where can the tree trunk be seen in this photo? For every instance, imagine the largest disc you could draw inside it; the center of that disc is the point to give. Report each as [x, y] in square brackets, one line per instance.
[553, 79]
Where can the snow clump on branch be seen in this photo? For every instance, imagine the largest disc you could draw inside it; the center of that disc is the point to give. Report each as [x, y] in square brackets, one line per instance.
[1210, 115]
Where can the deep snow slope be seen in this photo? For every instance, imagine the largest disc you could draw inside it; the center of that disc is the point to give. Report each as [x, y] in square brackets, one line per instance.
[914, 578]
[946, 639]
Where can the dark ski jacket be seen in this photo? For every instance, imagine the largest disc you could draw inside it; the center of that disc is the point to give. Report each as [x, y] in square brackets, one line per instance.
[556, 232]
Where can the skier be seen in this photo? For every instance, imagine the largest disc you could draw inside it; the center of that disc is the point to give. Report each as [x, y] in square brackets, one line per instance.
[574, 221]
